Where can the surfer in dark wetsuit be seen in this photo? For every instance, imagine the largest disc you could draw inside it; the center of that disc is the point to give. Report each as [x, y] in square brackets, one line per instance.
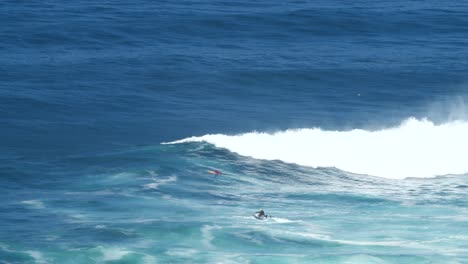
[261, 213]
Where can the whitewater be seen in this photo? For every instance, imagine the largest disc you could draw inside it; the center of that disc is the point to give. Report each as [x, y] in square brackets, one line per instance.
[415, 148]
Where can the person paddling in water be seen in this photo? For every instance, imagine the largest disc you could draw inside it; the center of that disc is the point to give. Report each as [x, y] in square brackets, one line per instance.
[215, 172]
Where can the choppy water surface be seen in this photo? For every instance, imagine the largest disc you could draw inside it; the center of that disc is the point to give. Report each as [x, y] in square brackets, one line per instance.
[345, 122]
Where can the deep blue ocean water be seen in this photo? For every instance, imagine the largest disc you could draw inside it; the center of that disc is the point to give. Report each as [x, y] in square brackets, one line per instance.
[345, 121]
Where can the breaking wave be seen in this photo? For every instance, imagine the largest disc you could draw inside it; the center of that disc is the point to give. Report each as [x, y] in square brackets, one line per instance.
[415, 148]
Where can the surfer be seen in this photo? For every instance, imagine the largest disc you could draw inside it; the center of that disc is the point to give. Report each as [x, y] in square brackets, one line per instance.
[215, 172]
[261, 213]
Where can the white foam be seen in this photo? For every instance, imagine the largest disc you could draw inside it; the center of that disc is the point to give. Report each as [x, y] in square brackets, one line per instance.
[34, 203]
[324, 237]
[37, 256]
[416, 148]
[207, 235]
[51, 238]
[282, 220]
[158, 182]
[414, 244]
[152, 173]
[149, 220]
[459, 237]
[113, 253]
[181, 252]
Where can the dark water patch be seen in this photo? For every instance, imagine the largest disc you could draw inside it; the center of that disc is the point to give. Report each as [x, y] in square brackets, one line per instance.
[13, 174]
[100, 234]
[12, 256]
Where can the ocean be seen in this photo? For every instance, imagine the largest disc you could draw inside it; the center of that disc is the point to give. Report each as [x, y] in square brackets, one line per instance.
[345, 121]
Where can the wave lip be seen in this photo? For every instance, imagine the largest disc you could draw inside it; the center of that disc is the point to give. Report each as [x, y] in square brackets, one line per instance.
[416, 148]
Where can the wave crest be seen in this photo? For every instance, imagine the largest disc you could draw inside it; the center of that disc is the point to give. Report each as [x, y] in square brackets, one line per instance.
[416, 148]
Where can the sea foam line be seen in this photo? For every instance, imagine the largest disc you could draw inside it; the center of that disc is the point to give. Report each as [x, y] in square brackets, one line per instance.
[416, 148]
[159, 182]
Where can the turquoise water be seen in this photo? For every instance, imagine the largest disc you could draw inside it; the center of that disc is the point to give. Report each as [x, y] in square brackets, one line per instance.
[167, 209]
[345, 122]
